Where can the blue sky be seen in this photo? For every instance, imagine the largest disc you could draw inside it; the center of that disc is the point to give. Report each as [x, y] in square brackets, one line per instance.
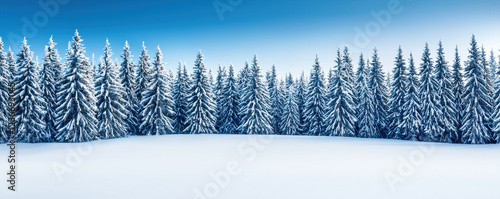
[286, 33]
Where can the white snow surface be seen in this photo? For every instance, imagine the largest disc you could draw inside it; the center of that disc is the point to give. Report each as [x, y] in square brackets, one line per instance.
[269, 167]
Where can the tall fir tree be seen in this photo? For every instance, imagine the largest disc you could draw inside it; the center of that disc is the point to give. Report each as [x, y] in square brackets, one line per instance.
[458, 91]
[255, 116]
[397, 98]
[112, 111]
[77, 104]
[378, 86]
[366, 123]
[315, 106]
[49, 77]
[201, 115]
[493, 67]
[230, 105]
[157, 101]
[341, 116]
[275, 100]
[29, 101]
[12, 65]
[489, 87]
[446, 98]
[290, 117]
[300, 98]
[432, 115]
[180, 93]
[411, 126]
[5, 76]
[127, 81]
[219, 84]
[143, 78]
[476, 100]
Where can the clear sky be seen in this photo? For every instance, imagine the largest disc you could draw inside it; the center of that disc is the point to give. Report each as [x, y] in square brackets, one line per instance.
[286, 33]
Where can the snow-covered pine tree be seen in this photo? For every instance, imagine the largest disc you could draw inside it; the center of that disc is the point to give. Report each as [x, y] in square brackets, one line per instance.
[12, 64]
[315, 106]
[432, 115]
[179, 93]
[275, 100]
[29, 101]
[496, 113]
[341, 116]
[493, 67]
[458, 91]
[378, 86]
[5, 76]
[290, 117]
[112, 111]
[475, 129]
[127, 81]
[300, 94]
[489, 87]
[346, 59]
[49, 77]
[219, 84]
[157, 102]
[77, 121]
[411, 126]
[201, 115]
[256, 118]
[366, 123]
[143, 78]
[398, 93]
[230, 105]
[445, 98]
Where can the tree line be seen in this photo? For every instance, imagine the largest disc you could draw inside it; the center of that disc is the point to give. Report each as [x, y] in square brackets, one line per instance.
[79, 101]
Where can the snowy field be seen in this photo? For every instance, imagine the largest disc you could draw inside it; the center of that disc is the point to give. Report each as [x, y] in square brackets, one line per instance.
[253, 167]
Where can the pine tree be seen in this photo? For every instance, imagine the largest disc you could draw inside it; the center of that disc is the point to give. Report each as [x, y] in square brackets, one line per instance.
[180, 89]
[275, 100]
[157, 101]
[496, 113]
[230, 105]
[29, 101]
[377, 84]
[112, 114]
[445, 98]
[411, 126]
[143, 78]
[77, 103]
[476, 100]
[458, 91]
[300, 98]
[219, 84]
[398, 93]
[493, 67]
[431, 111]
[5, 76]
[366, 123]
[489, 87]
[12, 65]
[315, 106]
[341, 116]
[256, 119]
[290, 118]
[127, 81]
[49, 77]
[201, 115]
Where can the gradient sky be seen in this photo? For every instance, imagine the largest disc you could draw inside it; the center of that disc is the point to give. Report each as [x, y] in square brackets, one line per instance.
[286, 33]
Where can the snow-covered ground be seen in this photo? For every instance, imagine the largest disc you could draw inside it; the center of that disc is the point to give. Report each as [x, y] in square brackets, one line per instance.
[254, 167]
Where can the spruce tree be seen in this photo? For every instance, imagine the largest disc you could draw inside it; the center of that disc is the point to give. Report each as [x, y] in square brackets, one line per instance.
[275, 100]
[127, 81]
[157, 101]
[219, 84]
[398, 93]
[12, 64]
[201, 115]
[143, 78]
[49, 77]
[230, 105]
[315, 106]
[378, 86]
[493, 67]
[300, 98]
[179, 93]
[29, 101]
[411, 126]
[255, 116]
[290, 117]
[5, 76]
[458, 91]
[446, 98]
[475, 129]
[112, 111]
[366, 123]
[341, 117]
[76, 101]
